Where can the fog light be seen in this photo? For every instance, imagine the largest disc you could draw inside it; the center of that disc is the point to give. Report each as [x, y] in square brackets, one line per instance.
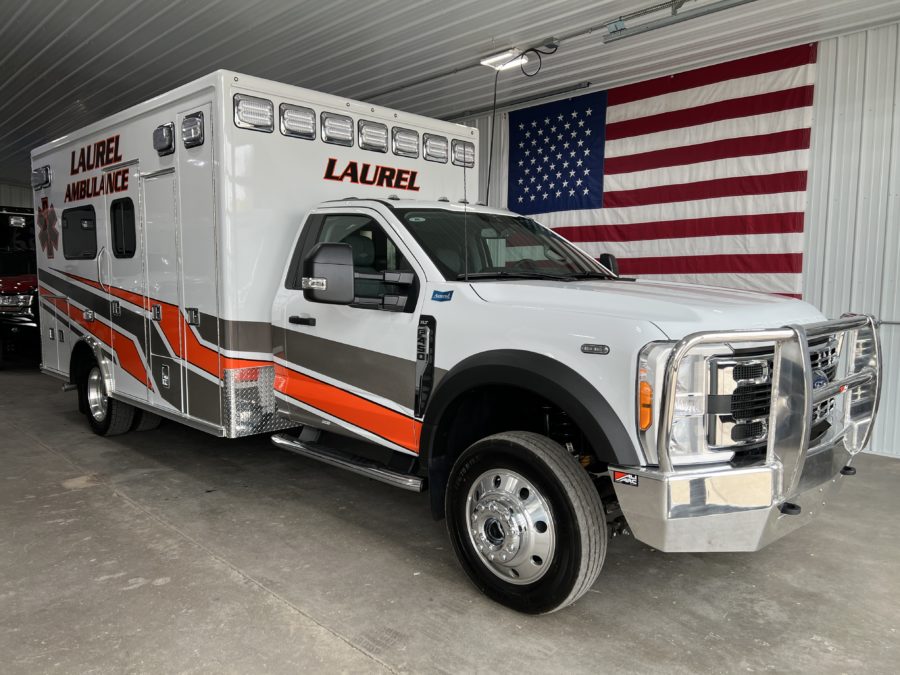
[373, 136]
[298, 122]
[464, 153]
[337, 129]
[405, 142]
[436, 148]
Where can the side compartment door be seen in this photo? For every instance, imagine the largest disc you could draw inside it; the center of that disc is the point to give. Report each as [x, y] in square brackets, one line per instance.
[352, 368]
[126, 282]
[163, 266]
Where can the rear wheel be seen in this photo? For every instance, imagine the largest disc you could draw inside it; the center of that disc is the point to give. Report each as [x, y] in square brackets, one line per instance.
[107, 416]
[526, 521]
[145, 420]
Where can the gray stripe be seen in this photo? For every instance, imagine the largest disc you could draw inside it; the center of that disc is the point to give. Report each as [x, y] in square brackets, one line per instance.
[172, 393]
[129, 321]
[239, 336]
[383, 375]
[203, 398]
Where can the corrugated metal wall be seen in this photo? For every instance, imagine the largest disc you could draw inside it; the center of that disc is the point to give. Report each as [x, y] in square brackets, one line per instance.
[15, 195]
[852, 254]
[852, 229]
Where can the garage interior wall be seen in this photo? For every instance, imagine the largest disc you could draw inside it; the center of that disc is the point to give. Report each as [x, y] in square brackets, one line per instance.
[852, 236]
[16, 195]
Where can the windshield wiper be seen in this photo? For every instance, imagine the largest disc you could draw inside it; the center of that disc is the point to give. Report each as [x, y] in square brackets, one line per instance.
[513, 275]
[591, 275]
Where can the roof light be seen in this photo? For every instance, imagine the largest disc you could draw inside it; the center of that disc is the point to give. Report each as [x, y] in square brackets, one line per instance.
[40, 177]
[435, 148]
[405, 142]
[192, 130]
[373, 136]
[511, 58]
[297, 122]
[164, 139]
[337, 129]
[463, 153]
[253, 113]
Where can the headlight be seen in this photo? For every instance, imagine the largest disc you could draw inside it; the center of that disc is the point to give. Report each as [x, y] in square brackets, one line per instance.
[15, 300]
[688, 439]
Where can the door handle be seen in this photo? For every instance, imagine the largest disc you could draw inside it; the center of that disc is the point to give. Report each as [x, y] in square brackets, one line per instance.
[302, 320]
[99, 271]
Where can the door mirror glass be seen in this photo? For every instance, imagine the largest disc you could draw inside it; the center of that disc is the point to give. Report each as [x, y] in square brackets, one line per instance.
[608, 260]
[328, 274]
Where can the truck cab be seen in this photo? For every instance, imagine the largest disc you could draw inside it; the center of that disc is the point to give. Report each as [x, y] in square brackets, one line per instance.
[547, 402]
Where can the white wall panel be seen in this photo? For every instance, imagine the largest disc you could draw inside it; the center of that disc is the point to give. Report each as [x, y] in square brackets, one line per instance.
[852, 230]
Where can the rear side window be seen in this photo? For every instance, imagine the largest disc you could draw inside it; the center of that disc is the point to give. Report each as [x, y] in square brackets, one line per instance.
[79, 233]
[121, 217]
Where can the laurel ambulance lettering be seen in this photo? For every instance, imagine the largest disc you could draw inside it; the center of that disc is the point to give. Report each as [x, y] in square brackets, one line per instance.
[369, 174]
[96, 156]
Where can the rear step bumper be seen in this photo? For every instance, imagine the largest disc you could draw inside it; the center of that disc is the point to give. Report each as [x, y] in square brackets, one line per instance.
[357, 465]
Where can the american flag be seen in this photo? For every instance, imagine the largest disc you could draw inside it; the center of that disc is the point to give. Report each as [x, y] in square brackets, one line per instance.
[698, 177]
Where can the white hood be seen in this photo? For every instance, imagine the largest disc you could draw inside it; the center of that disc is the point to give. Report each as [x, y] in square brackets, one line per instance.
[676, 309]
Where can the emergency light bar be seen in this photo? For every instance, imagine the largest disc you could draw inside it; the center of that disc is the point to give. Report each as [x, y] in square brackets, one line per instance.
[435, 148]
[297, 121]
[405, 142]
[337, 129]
[253, 113]
[373, 136]
[464, 153]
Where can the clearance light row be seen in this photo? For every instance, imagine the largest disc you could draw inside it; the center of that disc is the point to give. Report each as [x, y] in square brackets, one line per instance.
[300, 122]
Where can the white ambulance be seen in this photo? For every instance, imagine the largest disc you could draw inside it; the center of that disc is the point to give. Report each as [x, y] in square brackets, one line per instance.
[244, 257]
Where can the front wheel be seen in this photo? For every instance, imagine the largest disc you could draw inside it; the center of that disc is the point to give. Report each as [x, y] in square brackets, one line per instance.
[107, 416]
[526, 521]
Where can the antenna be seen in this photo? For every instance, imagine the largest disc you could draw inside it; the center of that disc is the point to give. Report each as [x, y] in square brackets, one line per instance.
[465, 227]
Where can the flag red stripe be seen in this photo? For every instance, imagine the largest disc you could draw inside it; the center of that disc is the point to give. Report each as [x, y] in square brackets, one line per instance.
[790, 181]
[753, 65]
[797, 296]
[745, 106]
[766, 223]
[763, 144]
[756, 263]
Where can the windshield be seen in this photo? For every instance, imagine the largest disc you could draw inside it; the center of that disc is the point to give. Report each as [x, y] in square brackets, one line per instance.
[498, 246]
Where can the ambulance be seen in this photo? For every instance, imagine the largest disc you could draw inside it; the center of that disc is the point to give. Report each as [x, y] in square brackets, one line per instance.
[247, 257]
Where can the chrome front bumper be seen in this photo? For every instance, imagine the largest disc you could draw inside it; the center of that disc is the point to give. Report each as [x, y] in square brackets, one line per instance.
[725, 507]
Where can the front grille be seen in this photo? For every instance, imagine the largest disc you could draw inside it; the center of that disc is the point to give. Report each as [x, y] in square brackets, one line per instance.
[746, 379]
[751, 401]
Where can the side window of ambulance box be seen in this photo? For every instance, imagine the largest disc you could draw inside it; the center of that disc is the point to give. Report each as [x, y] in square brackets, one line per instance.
[121, 218]
[79, 233]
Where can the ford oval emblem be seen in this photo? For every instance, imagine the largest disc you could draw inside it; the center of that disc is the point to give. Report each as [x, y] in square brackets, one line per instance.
[819, 379]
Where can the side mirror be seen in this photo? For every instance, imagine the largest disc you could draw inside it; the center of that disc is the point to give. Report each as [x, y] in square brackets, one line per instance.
[608, 260]
[328, 274]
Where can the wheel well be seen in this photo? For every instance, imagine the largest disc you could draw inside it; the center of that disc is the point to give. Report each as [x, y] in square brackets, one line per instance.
[79, 366]
[490, 409]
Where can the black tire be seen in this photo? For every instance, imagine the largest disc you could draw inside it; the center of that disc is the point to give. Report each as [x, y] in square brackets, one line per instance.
[145, 420]
[559, 483]
[117, 417]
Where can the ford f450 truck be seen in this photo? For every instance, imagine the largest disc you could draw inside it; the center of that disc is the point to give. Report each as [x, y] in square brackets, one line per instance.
[247, 257]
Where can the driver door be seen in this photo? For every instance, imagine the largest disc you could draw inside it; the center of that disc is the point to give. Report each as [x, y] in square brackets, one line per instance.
[352, 368]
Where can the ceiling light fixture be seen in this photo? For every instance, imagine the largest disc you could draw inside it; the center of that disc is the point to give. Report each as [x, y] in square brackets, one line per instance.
[511, 58]
[617, 28]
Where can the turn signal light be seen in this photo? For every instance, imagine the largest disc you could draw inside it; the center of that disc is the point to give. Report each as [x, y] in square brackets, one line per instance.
[645, 405]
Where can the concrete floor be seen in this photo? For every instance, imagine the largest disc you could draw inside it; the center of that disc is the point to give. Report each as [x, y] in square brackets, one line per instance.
[171, 551]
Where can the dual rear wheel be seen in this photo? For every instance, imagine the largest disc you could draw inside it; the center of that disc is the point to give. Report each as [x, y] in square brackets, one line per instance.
[108, 416]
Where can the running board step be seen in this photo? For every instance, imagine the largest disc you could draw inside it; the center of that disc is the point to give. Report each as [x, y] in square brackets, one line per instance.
[356, 465]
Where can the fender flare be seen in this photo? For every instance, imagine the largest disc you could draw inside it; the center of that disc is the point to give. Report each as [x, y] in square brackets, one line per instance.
[97, 349]
[541, 375]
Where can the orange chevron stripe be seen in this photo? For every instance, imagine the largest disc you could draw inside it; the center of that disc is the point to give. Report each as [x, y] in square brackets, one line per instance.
[356, 410]
[125, 349]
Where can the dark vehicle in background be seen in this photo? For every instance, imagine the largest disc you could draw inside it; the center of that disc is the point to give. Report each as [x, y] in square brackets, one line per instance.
[19, 336]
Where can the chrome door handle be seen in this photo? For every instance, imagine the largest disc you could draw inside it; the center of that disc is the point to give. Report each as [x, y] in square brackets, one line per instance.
[99, 270]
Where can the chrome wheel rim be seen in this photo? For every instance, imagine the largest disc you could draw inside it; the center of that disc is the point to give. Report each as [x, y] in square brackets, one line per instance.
[98, 402]
[510, 526]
